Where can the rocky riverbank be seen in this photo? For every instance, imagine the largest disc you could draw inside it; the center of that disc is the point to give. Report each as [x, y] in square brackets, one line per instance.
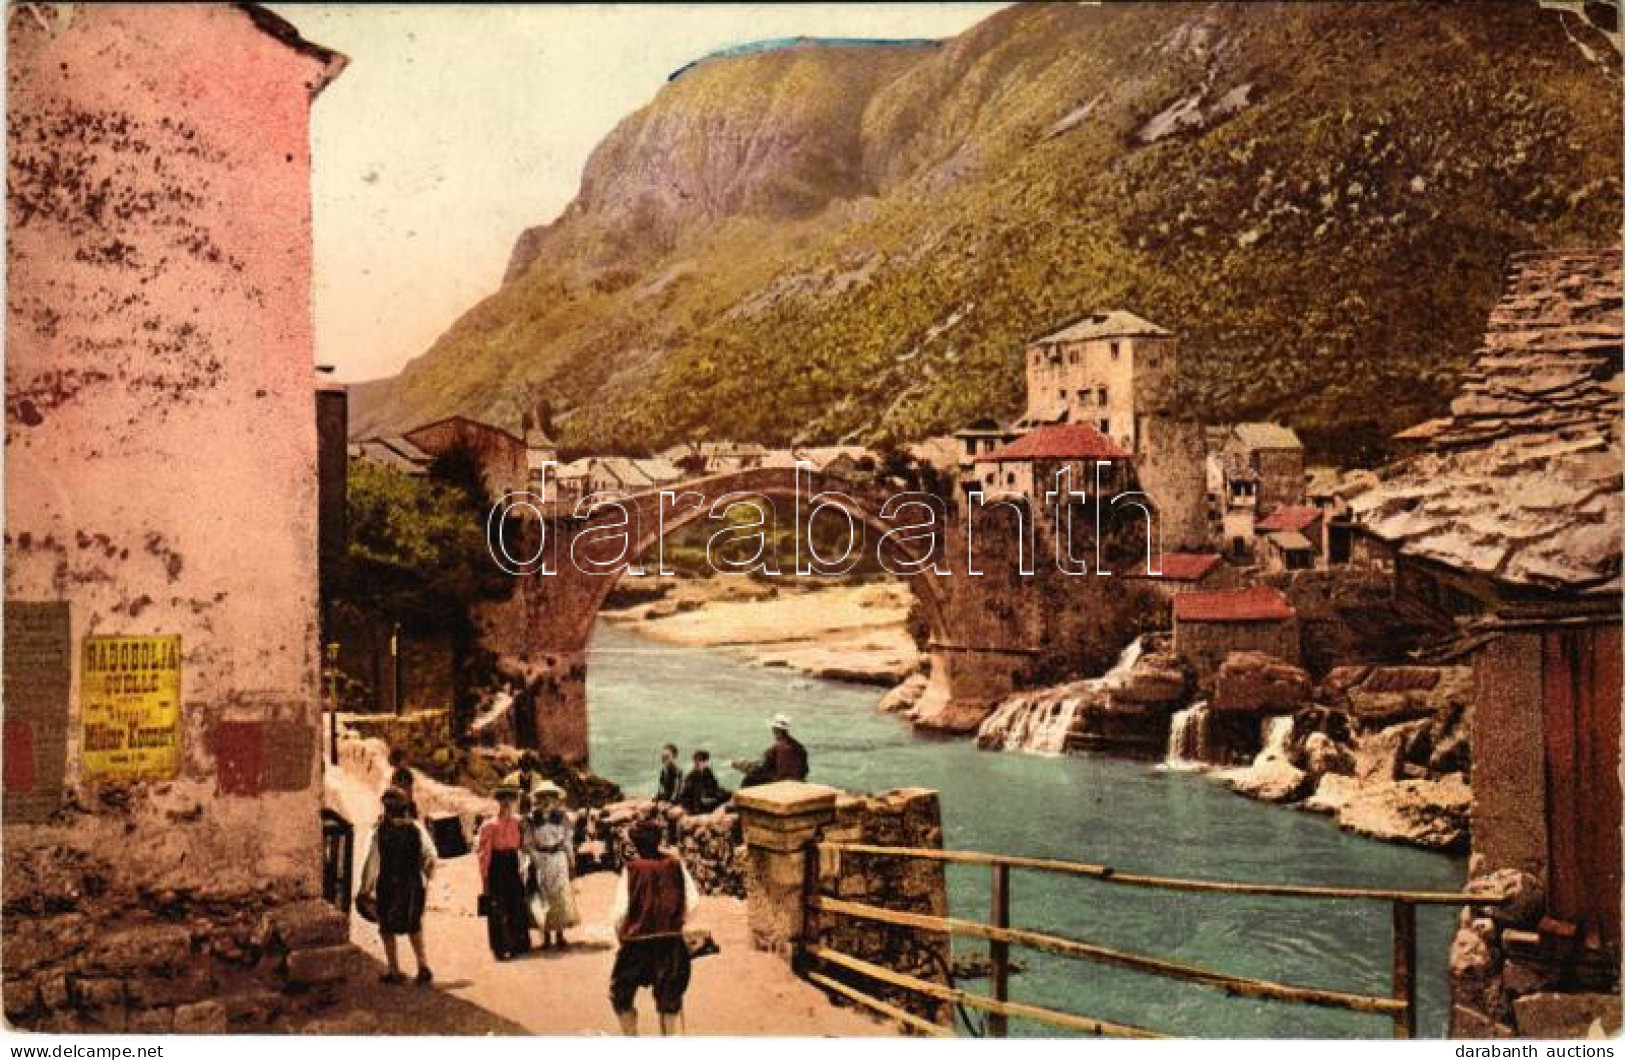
[843, 631]
[1382, 749]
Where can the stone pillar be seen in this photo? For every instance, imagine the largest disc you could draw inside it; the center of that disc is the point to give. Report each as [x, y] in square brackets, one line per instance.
[964, 687]
[781, 822]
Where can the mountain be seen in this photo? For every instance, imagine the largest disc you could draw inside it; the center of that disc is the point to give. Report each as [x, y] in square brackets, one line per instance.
[853, 240]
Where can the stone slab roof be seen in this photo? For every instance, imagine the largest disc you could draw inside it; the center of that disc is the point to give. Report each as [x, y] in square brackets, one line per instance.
[1291, 541]
[1266, 436]
[1119, 323]
[1523, 484]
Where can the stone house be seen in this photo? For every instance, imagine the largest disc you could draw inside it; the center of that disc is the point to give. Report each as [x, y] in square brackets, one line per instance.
[1029, 466]
[714, 458]
[1099, 370]
[1209, 625]
[1327, 489]
[1291, 538]
[163, 840]
[1508, 523]
[501, 455]
[392, 451]
[978, 439]
[570, 481]
[625, 474]
[1261, 469]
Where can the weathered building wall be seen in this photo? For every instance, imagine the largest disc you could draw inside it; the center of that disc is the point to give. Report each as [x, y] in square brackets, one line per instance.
[1345, 615]
[1204, 645]
[1171, 465]
[1280, 478]
[1546, 829]
[161, 453]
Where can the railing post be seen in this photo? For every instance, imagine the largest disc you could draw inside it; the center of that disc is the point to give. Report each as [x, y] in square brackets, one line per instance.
[998, 1025]
[1405, 968]
[781, 822]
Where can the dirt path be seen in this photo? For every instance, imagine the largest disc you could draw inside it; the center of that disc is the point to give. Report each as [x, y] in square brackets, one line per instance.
[740, 991]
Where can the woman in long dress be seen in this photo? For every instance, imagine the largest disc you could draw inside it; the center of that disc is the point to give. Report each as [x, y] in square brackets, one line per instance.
[550, 845]
[507, 921]
[399, 863]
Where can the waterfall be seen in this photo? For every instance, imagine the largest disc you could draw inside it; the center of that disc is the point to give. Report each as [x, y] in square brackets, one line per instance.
[1040, 722]
[1277, 733]
[1187, 738]
[1124, 664]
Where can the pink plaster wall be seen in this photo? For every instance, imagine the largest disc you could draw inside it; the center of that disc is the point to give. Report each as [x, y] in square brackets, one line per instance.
[160, 425]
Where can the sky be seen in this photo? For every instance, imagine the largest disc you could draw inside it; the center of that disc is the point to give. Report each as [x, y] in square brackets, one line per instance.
[455, 128]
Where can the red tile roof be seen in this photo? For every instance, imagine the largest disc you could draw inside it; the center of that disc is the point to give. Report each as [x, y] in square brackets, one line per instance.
[1258, 603]
[1180, 566]
[1059, 441]
[1296, 517]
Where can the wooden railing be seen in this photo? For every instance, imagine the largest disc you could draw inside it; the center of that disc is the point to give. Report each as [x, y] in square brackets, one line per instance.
[1399, 1005]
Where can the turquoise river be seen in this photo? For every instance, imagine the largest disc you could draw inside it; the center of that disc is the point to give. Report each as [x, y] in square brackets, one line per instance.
[1131, 815]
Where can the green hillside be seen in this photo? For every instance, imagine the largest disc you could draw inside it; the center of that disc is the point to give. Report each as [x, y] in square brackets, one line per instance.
[840, 243]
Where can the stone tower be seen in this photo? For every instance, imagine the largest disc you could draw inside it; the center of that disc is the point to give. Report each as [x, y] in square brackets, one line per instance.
[1116, 372]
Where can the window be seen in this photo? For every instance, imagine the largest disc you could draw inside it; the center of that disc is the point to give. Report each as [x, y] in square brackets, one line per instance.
[1114, 351]
[1101, 394]
[1063, 394]
[1106, 427]
[1010, 478]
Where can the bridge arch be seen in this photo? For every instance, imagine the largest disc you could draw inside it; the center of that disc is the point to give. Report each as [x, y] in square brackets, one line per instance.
[542, 633]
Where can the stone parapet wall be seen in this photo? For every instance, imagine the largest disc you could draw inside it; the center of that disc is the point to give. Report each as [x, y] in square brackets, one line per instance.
[710, 845]
[183, 962]
[906, 817]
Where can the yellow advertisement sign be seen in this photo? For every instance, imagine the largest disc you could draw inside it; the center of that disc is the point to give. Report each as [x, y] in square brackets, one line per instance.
[130, 703]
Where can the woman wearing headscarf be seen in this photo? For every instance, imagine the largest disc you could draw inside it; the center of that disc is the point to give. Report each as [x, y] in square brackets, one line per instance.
[399, 862]
[550, 845]
[507, 921]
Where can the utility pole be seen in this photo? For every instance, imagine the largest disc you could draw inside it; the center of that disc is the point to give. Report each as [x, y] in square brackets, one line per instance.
[395, 666]
[331, 672]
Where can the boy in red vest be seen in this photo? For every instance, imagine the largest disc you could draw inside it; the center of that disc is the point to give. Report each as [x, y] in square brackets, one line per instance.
[652, 901]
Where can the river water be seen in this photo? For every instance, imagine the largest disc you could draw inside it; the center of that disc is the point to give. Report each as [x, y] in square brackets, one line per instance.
[1134, 816]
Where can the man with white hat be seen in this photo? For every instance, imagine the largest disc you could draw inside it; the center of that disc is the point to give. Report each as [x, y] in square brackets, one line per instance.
[786, 759]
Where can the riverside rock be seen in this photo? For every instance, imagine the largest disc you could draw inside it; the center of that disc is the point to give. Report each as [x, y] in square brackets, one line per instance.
[1428, 813]
[1256, 682]
[1322, 755]
[901, 700]
[1272, 779]
[1381, 757]
[1156, 678]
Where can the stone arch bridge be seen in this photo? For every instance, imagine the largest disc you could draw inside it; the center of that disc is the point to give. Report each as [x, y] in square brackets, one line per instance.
[986, 629]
